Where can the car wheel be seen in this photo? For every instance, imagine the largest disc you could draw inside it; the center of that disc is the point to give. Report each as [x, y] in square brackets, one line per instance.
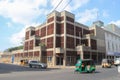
[116, 65]
[40, 66]
[30, 66]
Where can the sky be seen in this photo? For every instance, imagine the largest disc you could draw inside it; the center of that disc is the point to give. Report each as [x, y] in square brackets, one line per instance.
[17, 15]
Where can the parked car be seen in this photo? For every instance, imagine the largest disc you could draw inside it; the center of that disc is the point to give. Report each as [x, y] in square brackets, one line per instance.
[106, 63]
[117, 61]
[38, 64]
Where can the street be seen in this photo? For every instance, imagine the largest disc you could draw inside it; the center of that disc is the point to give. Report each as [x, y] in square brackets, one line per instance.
[14, 72]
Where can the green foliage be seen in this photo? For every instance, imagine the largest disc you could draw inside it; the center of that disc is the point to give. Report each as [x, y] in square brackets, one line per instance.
[13, 48]
[42, 44]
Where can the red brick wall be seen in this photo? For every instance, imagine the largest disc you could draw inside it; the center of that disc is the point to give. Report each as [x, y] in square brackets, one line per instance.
[26, 46]
[50, 29]
[27, 35]
[30, 54]
[43, 32]
[49, 53]
[31, 42]
[70, 29]
[59, 28]
[36, 53]
[26, 54]
[60, 42]
[60, 18]
[37, 32]
[50, 42]
[70, 42]
[78, 31]
[50, 19]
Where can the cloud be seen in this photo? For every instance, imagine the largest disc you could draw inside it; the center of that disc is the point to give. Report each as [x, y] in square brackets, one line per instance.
[22, 11]
[17, 38]
[87, 15]
[27, 12]
[9, 24]
[116, 22]
[105, 14]
[78, 3]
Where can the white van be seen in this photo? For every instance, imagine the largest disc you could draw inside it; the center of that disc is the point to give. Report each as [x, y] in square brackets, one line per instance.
[117, 61]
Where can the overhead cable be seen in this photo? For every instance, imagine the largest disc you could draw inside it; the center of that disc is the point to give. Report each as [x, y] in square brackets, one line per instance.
[58, 5]
[67, 4]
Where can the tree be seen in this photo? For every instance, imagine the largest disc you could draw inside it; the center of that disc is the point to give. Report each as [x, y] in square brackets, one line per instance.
[13, 48]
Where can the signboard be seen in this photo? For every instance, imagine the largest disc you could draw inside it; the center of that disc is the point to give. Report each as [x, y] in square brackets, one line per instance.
[113, 53]
[12, 58]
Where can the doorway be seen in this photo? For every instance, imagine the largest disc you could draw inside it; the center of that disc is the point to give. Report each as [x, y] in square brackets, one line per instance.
[59, 60]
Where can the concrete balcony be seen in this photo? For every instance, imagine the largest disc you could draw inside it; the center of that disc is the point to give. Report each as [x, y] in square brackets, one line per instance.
[59, 50]
[83, 48]
[39, 48]
[35, 37]
[88, 36]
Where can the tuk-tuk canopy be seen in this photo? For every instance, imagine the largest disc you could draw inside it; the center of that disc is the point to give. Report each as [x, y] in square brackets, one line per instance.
[85, 61]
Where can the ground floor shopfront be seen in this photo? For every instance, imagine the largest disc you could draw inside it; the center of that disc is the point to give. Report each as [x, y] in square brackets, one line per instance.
[68, 58]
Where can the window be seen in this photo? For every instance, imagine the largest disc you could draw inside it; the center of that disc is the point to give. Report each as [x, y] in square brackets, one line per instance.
[49, 58]
[70, 19]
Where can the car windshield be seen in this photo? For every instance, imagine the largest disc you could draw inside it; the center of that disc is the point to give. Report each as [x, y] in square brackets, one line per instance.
[104, 60]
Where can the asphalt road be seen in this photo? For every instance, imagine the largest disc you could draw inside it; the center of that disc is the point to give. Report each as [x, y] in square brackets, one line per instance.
[13, 72]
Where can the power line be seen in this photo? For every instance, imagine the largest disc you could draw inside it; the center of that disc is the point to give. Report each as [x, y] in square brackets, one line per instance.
[58, 5]
[67, 4]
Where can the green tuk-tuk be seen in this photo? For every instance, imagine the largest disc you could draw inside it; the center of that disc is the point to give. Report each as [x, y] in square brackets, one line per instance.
[85, 65]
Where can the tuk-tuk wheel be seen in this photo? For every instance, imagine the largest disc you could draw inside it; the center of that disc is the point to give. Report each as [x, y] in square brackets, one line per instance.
[76, 71]
[30, 66]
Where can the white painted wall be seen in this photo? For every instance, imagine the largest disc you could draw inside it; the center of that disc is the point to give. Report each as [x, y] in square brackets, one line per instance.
[112, 42]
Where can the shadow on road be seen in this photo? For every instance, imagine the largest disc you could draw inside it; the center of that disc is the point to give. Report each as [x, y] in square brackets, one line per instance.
[8, 68]
[87, 72]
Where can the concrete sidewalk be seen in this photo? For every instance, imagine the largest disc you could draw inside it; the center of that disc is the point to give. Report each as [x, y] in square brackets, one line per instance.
[97, 66]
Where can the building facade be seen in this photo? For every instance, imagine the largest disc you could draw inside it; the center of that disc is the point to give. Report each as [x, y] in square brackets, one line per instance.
[60, 41]
[112, 40]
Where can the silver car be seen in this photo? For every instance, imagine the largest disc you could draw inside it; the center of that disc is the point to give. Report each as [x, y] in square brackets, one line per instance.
[117, 61]
[34, 63]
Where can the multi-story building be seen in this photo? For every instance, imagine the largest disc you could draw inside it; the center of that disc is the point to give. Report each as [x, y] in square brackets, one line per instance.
[112, 40]
[60, 41]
